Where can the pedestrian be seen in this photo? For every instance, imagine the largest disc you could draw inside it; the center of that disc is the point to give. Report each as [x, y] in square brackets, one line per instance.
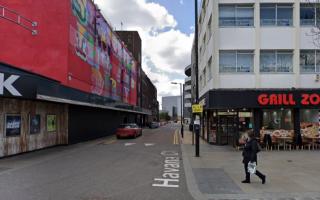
[249, 154]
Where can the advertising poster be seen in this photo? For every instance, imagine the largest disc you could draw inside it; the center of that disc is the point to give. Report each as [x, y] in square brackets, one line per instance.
[35, 124]
[51, 123]
[13, 125]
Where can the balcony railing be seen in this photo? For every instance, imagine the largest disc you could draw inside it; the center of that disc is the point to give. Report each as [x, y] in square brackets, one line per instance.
[236, 22]
[276, 22]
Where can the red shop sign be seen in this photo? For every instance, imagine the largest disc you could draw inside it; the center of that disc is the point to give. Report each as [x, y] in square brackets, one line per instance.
[288, 99]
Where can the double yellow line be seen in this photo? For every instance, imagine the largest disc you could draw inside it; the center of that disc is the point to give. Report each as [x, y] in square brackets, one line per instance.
[176, 138]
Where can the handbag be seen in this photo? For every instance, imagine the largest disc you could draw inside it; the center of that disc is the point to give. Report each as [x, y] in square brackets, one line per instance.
[252, 167]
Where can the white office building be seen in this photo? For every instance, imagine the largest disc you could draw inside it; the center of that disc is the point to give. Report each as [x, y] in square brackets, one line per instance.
[259, 66]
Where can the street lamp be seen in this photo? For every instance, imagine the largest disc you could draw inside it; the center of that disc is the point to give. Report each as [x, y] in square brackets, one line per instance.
[181, 94]
[196, 71]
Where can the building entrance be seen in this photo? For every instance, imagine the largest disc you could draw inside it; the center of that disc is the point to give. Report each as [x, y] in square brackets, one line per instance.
[227, 128]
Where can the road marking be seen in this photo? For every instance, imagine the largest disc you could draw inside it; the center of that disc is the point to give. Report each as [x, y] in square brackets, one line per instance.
[148, 144]
[129, 144]
[176, 137]
[171, 175]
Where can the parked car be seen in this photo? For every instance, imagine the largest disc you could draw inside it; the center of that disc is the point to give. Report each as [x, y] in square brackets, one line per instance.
[128, 130]
[154, 125]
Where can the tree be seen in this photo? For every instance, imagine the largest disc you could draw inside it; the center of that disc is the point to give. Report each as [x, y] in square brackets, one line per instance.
[164, 116]
[312, 10]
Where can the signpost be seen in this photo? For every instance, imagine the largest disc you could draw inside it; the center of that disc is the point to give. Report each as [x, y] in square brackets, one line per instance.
[197, 108]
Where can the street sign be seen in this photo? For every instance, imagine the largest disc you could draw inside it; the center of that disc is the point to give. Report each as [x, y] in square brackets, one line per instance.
[197, 108]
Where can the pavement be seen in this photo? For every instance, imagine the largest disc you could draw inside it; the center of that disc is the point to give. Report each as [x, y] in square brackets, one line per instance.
[218, 172]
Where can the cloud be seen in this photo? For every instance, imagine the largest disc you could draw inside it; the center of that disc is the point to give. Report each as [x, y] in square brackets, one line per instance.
[166, 50]
[181, 2]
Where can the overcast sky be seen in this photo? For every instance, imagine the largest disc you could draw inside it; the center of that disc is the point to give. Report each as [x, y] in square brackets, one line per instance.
[166, 28]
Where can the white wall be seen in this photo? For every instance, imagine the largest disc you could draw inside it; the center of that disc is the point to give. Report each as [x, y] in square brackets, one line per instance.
[277, 38]
[309, 81]
[307, 40]
[237, 81]
[274, 80]
[237, 38]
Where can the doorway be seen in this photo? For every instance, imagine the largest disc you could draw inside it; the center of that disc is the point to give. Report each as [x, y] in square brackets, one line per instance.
[227, 129]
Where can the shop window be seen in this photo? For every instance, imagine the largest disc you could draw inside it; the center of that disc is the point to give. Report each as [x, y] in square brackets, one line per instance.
[236, 15]
[236, 61]
[276, 14]
[276, 61]
[309, 122]
[278, 119]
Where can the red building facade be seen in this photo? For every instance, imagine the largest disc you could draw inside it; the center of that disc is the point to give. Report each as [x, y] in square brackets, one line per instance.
[74, 45]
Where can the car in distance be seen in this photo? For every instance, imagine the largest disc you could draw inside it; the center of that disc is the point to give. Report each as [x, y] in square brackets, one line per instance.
[128, 130]
[154, 125]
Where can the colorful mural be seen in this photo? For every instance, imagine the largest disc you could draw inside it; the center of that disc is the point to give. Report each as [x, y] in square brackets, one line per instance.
[111, 66]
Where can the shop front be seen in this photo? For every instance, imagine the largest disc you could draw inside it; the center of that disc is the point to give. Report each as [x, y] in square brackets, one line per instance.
[278, 117]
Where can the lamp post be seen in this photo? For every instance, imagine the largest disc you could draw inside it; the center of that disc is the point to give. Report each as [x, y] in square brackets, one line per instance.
[181, 94]
[196, 74]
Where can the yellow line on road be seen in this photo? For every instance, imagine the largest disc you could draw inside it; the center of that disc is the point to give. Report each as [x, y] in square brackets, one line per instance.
[176, 137]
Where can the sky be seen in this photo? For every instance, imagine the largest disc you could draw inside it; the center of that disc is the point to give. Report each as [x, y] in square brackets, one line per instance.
[166, 28]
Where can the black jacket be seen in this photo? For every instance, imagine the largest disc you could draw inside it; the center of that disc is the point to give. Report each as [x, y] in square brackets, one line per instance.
[249, 152]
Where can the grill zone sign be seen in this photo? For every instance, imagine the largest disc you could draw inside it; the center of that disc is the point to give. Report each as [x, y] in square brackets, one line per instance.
[288, 99]
[7, 84]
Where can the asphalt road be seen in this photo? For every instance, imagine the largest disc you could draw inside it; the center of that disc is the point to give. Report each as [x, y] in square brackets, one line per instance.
[109, 169]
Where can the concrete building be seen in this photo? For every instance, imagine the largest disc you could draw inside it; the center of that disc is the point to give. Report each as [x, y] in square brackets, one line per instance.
[172, 104]
[187, 102]
[258, 68]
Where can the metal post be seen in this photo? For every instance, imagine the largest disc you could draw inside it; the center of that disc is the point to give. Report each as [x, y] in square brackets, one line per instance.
[197, 61]
[181, 92]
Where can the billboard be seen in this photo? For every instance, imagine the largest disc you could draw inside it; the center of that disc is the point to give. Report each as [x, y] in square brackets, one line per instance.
[99, 62]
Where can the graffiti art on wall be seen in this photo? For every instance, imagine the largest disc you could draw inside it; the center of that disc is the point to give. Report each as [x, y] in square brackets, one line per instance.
[112, 68]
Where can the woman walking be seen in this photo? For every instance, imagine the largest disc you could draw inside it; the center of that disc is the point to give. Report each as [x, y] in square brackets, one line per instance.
[249, 154]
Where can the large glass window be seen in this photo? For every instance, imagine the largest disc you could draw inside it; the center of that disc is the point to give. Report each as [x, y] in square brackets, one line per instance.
[309, 61]
[228, 61]
[308, 14]
[309, 122]
[276, 61]
[278, 119]
[236, 61]
[236, 15]
[276, 14]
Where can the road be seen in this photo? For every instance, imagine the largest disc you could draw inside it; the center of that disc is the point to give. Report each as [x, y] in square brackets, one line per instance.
[148, 167]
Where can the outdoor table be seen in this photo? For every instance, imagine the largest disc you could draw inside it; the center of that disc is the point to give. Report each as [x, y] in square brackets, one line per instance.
[283, 139]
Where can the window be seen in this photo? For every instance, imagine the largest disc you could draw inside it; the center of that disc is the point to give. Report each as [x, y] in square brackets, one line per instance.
[236, 61]
[278, 119]
[204, 76]
[209, 69]
[236, 15]
[276, 14]
[308, 14]
[209, 28]
[309, 61]
[276, 61]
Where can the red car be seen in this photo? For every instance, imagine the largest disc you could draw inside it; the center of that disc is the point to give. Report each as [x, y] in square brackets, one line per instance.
[128, 130]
